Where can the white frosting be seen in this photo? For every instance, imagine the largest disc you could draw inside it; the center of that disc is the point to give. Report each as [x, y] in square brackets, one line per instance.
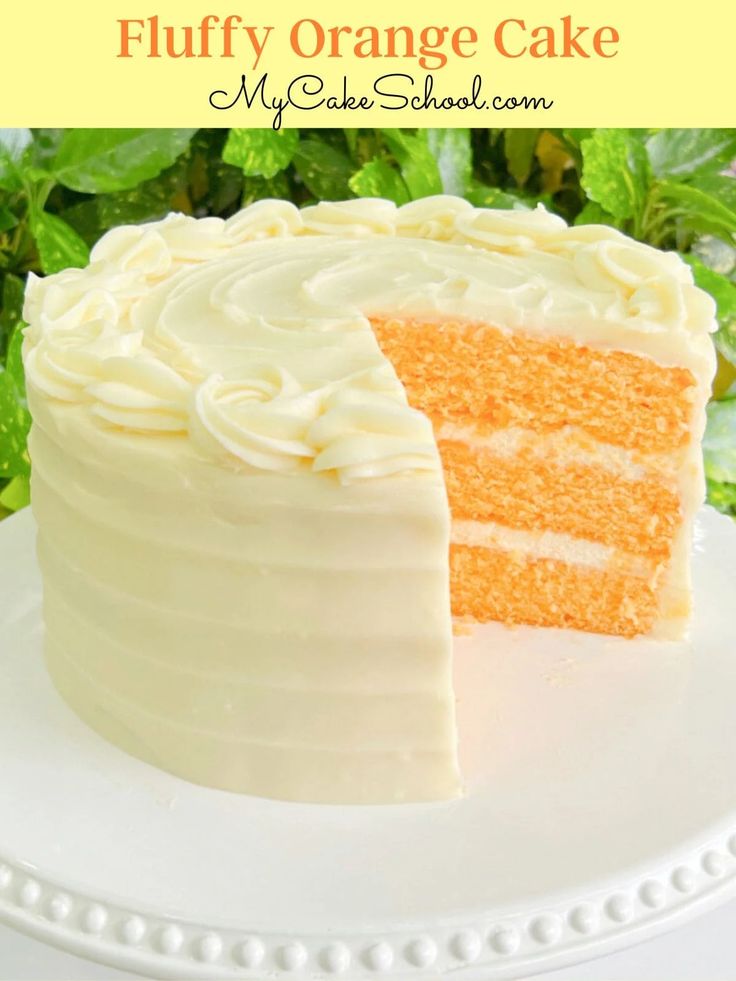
[251, 335]
[219, 618]
[535, 545]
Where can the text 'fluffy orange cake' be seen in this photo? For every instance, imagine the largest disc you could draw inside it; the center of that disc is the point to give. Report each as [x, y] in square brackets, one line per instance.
[274, 455]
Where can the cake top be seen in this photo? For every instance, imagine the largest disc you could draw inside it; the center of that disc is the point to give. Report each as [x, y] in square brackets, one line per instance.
[251, 336]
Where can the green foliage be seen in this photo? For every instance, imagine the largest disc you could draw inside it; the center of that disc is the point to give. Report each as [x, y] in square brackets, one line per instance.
[719, 452]
[519, 147]
[453, 154]
[616, 172]
[681, 153]
[59, 246]
[61, 189]
[100, 160]
[324, 170]
[13, 146]
[418, 164]
[260, 152]
[723, 291]
[14, 418]
[16, 494]
[379, 179]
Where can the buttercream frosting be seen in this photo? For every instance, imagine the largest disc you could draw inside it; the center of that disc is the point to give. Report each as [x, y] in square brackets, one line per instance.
[243, 524]
[251, 335]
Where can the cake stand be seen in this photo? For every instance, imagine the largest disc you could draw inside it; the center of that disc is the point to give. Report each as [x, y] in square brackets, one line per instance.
[600, 810]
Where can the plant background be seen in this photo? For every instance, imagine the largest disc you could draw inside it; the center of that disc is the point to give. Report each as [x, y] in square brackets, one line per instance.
[61, 189]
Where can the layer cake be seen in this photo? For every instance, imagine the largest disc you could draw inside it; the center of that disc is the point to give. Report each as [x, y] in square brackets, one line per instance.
[273, 457]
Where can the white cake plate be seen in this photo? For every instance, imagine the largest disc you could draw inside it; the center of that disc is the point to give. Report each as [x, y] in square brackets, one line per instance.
[601, 810]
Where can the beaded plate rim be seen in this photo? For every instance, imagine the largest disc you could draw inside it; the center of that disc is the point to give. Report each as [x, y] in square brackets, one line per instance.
[567, 931]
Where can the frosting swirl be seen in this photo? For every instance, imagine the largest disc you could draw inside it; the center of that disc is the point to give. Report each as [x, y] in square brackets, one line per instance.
[261, 421]
[507, 231]
[358, 217]
[251, 336]
[65, 363]
[373, 437]
[264, 219]
[435, 217]
[141, 394]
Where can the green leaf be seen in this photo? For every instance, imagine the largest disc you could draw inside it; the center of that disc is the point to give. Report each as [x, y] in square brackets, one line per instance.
[698, 210]
[257, 188]
[149, 201]
[325, 171]
[213, 185]
[720, 186]
[99, 160]
[483, 196]
[7, 218]
[684, 152]
[723, 292]
[716, 254]
[11, 314]
[14, 361]
[378, 179]
[571, 140]
[574, 137]
[46, 144]
[59, 246]
[15, 420]
[351, 140]
[454, 155]
[16, 494]
[519, 146]
[419, 167]
[594, 214]
[722, 496]
[13, 145]
[719, 442]
[260, 152]
[616, 172]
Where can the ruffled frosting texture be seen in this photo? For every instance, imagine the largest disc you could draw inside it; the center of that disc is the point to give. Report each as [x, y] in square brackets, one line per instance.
[250, 338]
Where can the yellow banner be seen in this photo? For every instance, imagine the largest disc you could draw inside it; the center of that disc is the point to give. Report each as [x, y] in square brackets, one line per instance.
[223, 63]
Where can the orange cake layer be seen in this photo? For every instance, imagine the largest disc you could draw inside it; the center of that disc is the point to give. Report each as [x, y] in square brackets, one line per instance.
[546, 436]
[490, 584]
[636, 516]
[453, 370]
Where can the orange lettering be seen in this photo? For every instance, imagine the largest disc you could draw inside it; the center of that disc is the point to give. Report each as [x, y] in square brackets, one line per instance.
[499, 41]
[599, 40]
[126, 37]
[458, 40]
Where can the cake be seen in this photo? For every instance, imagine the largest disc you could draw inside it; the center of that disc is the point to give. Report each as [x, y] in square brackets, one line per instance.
[275, 456]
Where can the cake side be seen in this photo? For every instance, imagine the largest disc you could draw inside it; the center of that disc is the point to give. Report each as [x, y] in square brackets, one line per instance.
[245, 577]
[255, 633]
[243, 516]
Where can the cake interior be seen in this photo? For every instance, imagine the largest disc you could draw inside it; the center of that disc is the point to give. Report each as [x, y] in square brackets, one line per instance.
[563, 467]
